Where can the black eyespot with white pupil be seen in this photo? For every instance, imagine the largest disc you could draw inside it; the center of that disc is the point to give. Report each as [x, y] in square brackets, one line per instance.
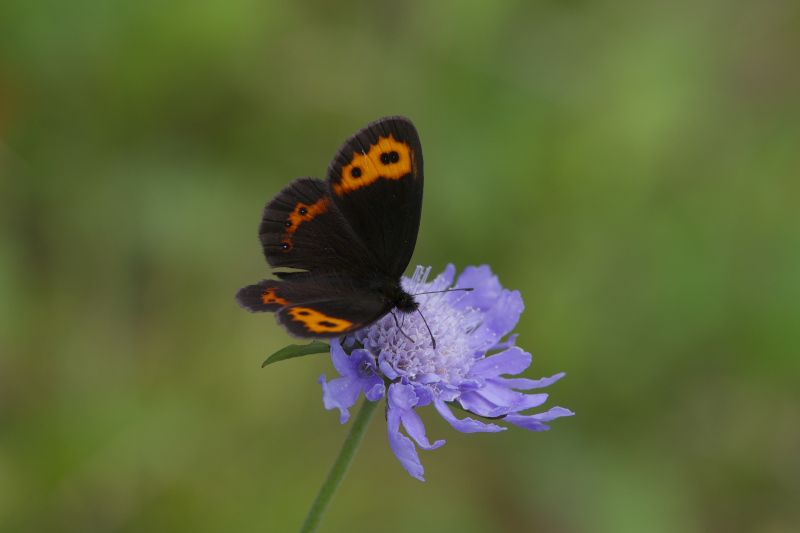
[356, 172]
[288, 224]
[390, 157]
[303, 211]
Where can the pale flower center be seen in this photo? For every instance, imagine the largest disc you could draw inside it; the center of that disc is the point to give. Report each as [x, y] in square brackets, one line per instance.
[410, 352]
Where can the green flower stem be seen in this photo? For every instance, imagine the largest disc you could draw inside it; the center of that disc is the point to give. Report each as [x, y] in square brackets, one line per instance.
[340, 467]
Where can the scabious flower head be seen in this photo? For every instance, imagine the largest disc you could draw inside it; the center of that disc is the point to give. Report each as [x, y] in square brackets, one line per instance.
[396, 358]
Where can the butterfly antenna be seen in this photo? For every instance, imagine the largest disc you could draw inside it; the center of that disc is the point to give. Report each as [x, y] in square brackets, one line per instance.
[445, 290]
[433, 339]
[399, 327]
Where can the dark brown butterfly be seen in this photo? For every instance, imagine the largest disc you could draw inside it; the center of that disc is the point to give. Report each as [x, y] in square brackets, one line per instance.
[352, 236]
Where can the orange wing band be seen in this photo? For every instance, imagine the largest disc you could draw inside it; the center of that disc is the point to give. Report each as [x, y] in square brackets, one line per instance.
[269, 297]
[389, 159]
[304, 213]
[318, 322]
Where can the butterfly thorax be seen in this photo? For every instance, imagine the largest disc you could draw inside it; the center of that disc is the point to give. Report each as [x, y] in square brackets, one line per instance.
[402, 300]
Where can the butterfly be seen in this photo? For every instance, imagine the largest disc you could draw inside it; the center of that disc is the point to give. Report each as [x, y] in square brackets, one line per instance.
[348, 239]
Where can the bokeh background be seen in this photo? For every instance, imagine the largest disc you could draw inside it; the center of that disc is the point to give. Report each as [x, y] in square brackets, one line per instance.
[632, 167]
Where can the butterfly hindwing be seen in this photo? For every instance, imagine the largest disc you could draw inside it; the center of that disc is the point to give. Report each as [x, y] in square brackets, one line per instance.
[310, 305]
[302, 228]
[265, 296]
[376, 181]
[331, 318]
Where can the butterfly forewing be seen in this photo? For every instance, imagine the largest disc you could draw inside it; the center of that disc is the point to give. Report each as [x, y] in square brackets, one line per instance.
[376, 181]
[302, 228]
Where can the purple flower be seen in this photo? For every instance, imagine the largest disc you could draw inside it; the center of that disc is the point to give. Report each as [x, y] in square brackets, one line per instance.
[465, 369]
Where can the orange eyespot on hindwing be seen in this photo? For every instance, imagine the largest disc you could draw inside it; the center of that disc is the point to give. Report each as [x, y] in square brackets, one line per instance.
[269, 297]
[389, 159]
[317, 322]
[263, 297]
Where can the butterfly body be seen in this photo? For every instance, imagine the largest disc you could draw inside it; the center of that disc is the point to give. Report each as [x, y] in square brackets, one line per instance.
[349, 238]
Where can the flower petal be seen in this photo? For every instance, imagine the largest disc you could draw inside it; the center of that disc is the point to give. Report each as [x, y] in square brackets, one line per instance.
[388, 370]
[402, 397]
[504, 316]
[512, 361]
[486, 288]
[402, 446]
[466, 425]
[376, 392]
[358, 374]
[341, 393]
[402, 401]
[535, 422]
[416, 430]
[341, 361]
[508, 343]
[528, 384]
[494, 401]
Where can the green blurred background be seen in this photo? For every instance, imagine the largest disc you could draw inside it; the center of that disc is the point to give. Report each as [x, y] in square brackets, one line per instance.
[632, 167]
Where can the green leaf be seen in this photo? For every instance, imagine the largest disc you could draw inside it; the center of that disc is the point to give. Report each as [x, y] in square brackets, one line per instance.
[297, 350]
